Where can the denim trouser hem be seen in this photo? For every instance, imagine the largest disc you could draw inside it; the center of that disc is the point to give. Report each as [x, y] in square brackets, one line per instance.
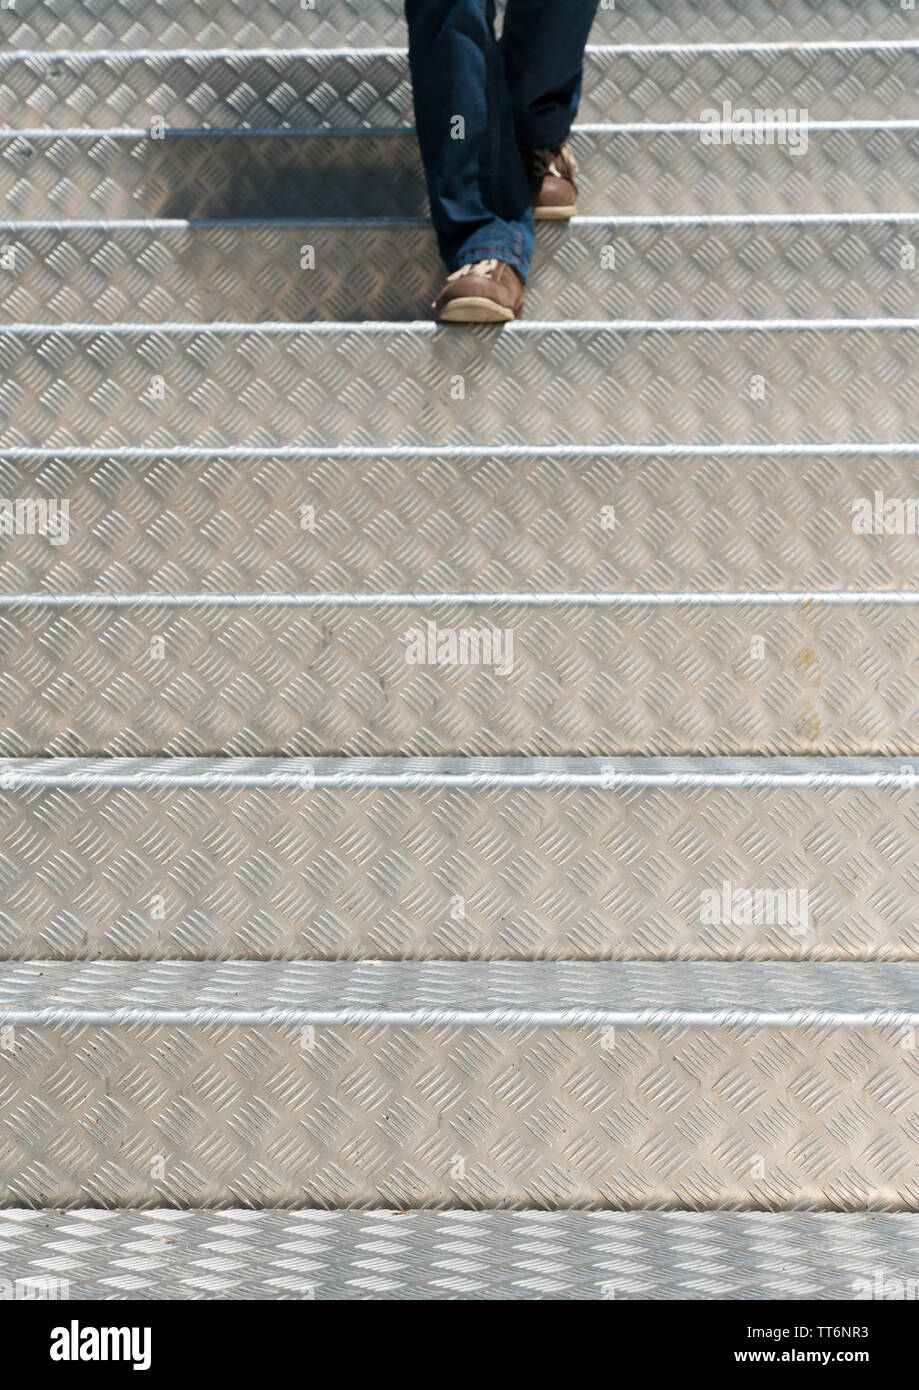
[490, 253]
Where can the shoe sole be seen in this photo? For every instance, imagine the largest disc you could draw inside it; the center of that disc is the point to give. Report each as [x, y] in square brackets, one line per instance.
[559, 214]
[474, 309]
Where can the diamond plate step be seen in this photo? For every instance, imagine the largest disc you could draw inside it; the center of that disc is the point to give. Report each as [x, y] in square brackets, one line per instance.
[265, 385]
[133, 24]
[371, 86]
[657, 268]
[866, 166]
[484, 675]
[399, 1085]
[289, 24]
[164, 1254]
[591, 859]
[512, 519]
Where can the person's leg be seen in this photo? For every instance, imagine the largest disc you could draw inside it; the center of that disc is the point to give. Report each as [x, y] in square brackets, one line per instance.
[477, 185]
[543, 44]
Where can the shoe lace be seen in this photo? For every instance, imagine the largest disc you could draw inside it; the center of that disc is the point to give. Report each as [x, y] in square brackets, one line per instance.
[541, 162]
[474, 268]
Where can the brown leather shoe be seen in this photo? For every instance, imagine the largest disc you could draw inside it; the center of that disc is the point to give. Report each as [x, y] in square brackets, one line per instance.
[482, 292]
[553, 191]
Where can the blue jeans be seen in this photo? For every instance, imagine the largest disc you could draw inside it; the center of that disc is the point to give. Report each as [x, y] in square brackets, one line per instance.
[479, 101]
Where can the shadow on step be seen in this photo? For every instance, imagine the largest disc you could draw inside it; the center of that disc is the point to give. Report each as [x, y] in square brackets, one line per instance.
[283, 177]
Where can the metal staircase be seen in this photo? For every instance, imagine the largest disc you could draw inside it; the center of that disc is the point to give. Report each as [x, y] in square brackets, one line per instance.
[459, 788]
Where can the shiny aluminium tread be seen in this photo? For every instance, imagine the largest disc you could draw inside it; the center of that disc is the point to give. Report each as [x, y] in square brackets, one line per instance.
[463, 519]
[629, 859]
[307, 88]
[459, 675]
[242, 1254]
[522, 1084]
[661, 382]
[773, 267]
[335, 23]
[860, 165]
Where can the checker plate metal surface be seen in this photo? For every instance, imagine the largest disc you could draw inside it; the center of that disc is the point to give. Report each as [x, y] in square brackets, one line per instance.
[517, 519]
[57, 174]
[821, 381]
[59, 24]
[133, 24]
[372, 88]
[321, 1255]
[457, 964]
[232, 860]
[696, 269]
[534, 1085]
[671, 679]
